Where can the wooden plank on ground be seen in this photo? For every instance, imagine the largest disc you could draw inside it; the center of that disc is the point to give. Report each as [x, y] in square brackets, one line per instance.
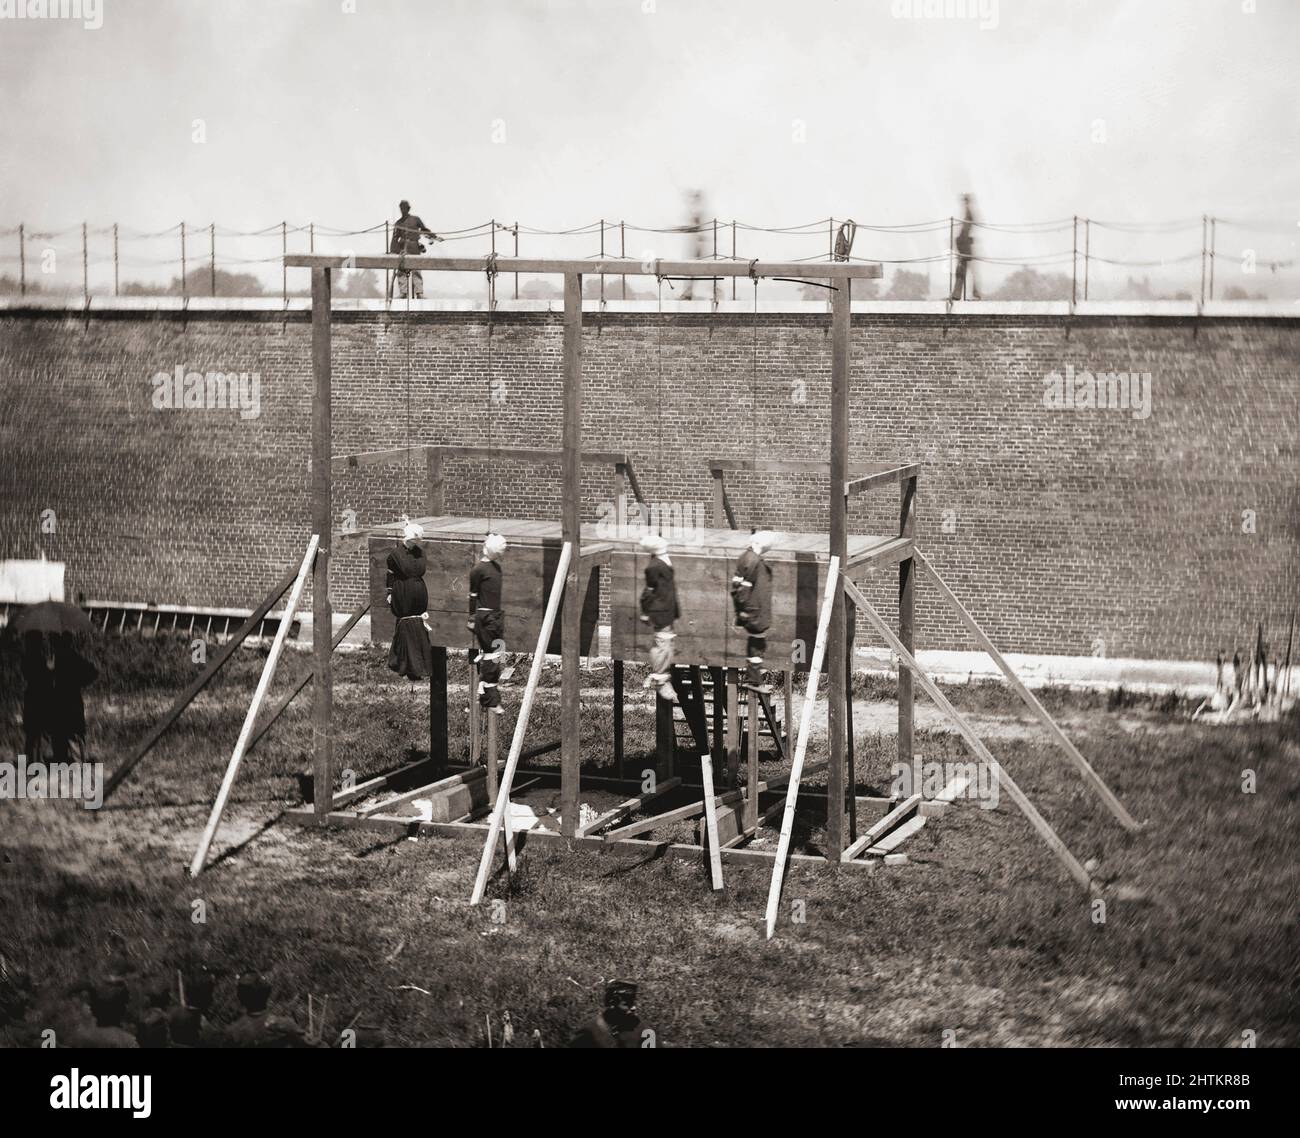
[630, 806]
[883, 826]
[896, 838]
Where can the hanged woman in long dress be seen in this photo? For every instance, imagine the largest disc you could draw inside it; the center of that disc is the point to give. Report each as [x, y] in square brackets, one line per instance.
[411, 654]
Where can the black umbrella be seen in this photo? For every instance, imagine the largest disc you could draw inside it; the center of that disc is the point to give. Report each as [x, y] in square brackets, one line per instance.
[53, 617]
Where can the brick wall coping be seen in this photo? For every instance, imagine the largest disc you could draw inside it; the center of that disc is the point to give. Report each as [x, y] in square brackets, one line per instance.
[166, 305]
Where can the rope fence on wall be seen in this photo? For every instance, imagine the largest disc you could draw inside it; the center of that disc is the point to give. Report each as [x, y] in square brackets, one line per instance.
[1073, 258]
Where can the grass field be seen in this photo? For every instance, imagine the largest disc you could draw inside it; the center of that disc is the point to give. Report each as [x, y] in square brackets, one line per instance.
[981, 935]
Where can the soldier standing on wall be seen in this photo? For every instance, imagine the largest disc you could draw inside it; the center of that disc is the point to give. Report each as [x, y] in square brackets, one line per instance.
[407, 231]
[965, 249]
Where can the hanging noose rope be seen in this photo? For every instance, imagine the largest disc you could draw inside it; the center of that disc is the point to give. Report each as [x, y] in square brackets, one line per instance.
[659, 357]
[753, 398]
[406, 339]
[491, 272]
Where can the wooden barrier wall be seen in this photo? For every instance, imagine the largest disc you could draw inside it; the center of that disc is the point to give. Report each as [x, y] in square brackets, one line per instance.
[707, 632]
[527, 574]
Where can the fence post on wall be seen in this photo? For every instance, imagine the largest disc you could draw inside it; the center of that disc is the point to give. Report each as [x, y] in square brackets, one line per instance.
[1074, 262]
[951, 224]
[1087, 246]
[284, 270]
[85, 266]
[1213, 226]
[212, 255]
[22, 261]
[733, 256]
[1203, 228]
[184, 285]
[311, 237]
[516, 257]
[602, 263]
[115, 260]
[622, 250]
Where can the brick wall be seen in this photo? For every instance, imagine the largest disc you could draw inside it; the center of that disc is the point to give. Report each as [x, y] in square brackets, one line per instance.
[1069, 531]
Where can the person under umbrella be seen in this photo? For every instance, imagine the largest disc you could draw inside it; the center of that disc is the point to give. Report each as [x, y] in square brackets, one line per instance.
[55, 670]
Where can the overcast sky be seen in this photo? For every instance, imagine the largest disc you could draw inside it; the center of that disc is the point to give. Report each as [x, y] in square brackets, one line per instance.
[558, 112]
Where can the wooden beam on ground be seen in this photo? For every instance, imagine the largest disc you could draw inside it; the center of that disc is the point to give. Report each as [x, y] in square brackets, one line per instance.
[895, 817]
[1091, 777]
[339, 637]
[749, 831]
[459, 779]
[617, 266]
[711, 819]
[931, 689]
[678, 814]
[374, 785]
[629, 807]
[198, 684]
[801, 745]
[497, 824]
[268, 671]
[895, 838]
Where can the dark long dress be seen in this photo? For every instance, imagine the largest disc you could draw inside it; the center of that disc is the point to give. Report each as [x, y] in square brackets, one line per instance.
[52, 703]
[411, 654]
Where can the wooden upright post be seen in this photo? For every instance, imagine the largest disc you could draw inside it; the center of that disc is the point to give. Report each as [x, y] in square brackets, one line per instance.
[571, 623]
[618, 718]
[322, 511]
[732, 729]
[751, 787]
[438, 709]
[906, 604]
[839, 545]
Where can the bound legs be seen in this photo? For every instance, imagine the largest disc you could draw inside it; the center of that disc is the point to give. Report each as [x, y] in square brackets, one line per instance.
[661, 663]
[488, 628]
